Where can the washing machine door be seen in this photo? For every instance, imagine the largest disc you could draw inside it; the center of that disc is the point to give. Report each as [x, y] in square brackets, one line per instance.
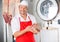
[47, 9]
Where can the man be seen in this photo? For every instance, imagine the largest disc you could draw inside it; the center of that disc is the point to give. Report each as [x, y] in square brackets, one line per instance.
[24, 25]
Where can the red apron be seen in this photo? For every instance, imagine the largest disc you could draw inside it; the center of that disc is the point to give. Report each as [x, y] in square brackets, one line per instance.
[28, 36]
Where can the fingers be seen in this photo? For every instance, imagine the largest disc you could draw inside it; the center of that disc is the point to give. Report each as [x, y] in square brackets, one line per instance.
[35, 31]
[32, 29]
[36, 26]
[28, 28]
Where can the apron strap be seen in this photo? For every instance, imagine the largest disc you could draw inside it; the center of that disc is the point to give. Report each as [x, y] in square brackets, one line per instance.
[28, 17]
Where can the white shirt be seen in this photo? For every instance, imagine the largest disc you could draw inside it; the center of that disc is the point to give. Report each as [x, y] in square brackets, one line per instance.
[15, 23]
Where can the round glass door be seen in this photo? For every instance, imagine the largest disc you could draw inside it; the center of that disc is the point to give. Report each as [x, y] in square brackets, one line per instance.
[47, 9]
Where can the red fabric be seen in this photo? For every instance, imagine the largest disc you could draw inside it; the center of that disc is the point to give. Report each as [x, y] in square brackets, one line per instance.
[28, 36]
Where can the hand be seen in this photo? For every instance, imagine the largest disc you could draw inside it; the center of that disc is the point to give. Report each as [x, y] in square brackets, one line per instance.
[31, 29]
[28, 28]
[34, 30]
[36, 26]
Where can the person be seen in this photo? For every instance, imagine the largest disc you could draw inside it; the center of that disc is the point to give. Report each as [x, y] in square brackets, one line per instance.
[24, 25]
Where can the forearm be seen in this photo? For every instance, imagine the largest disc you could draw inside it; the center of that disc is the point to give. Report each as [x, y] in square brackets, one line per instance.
[19, 33]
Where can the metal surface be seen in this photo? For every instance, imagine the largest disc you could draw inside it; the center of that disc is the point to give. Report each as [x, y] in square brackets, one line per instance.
[1, 24]
[47, 9]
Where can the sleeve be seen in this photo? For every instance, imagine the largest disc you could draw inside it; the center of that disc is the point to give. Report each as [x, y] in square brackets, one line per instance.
[14, 25]
[33, 19]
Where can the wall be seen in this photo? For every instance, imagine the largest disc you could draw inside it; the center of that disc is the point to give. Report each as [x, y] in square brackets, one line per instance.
[32, 10]
[1, 24]
[41, 21]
